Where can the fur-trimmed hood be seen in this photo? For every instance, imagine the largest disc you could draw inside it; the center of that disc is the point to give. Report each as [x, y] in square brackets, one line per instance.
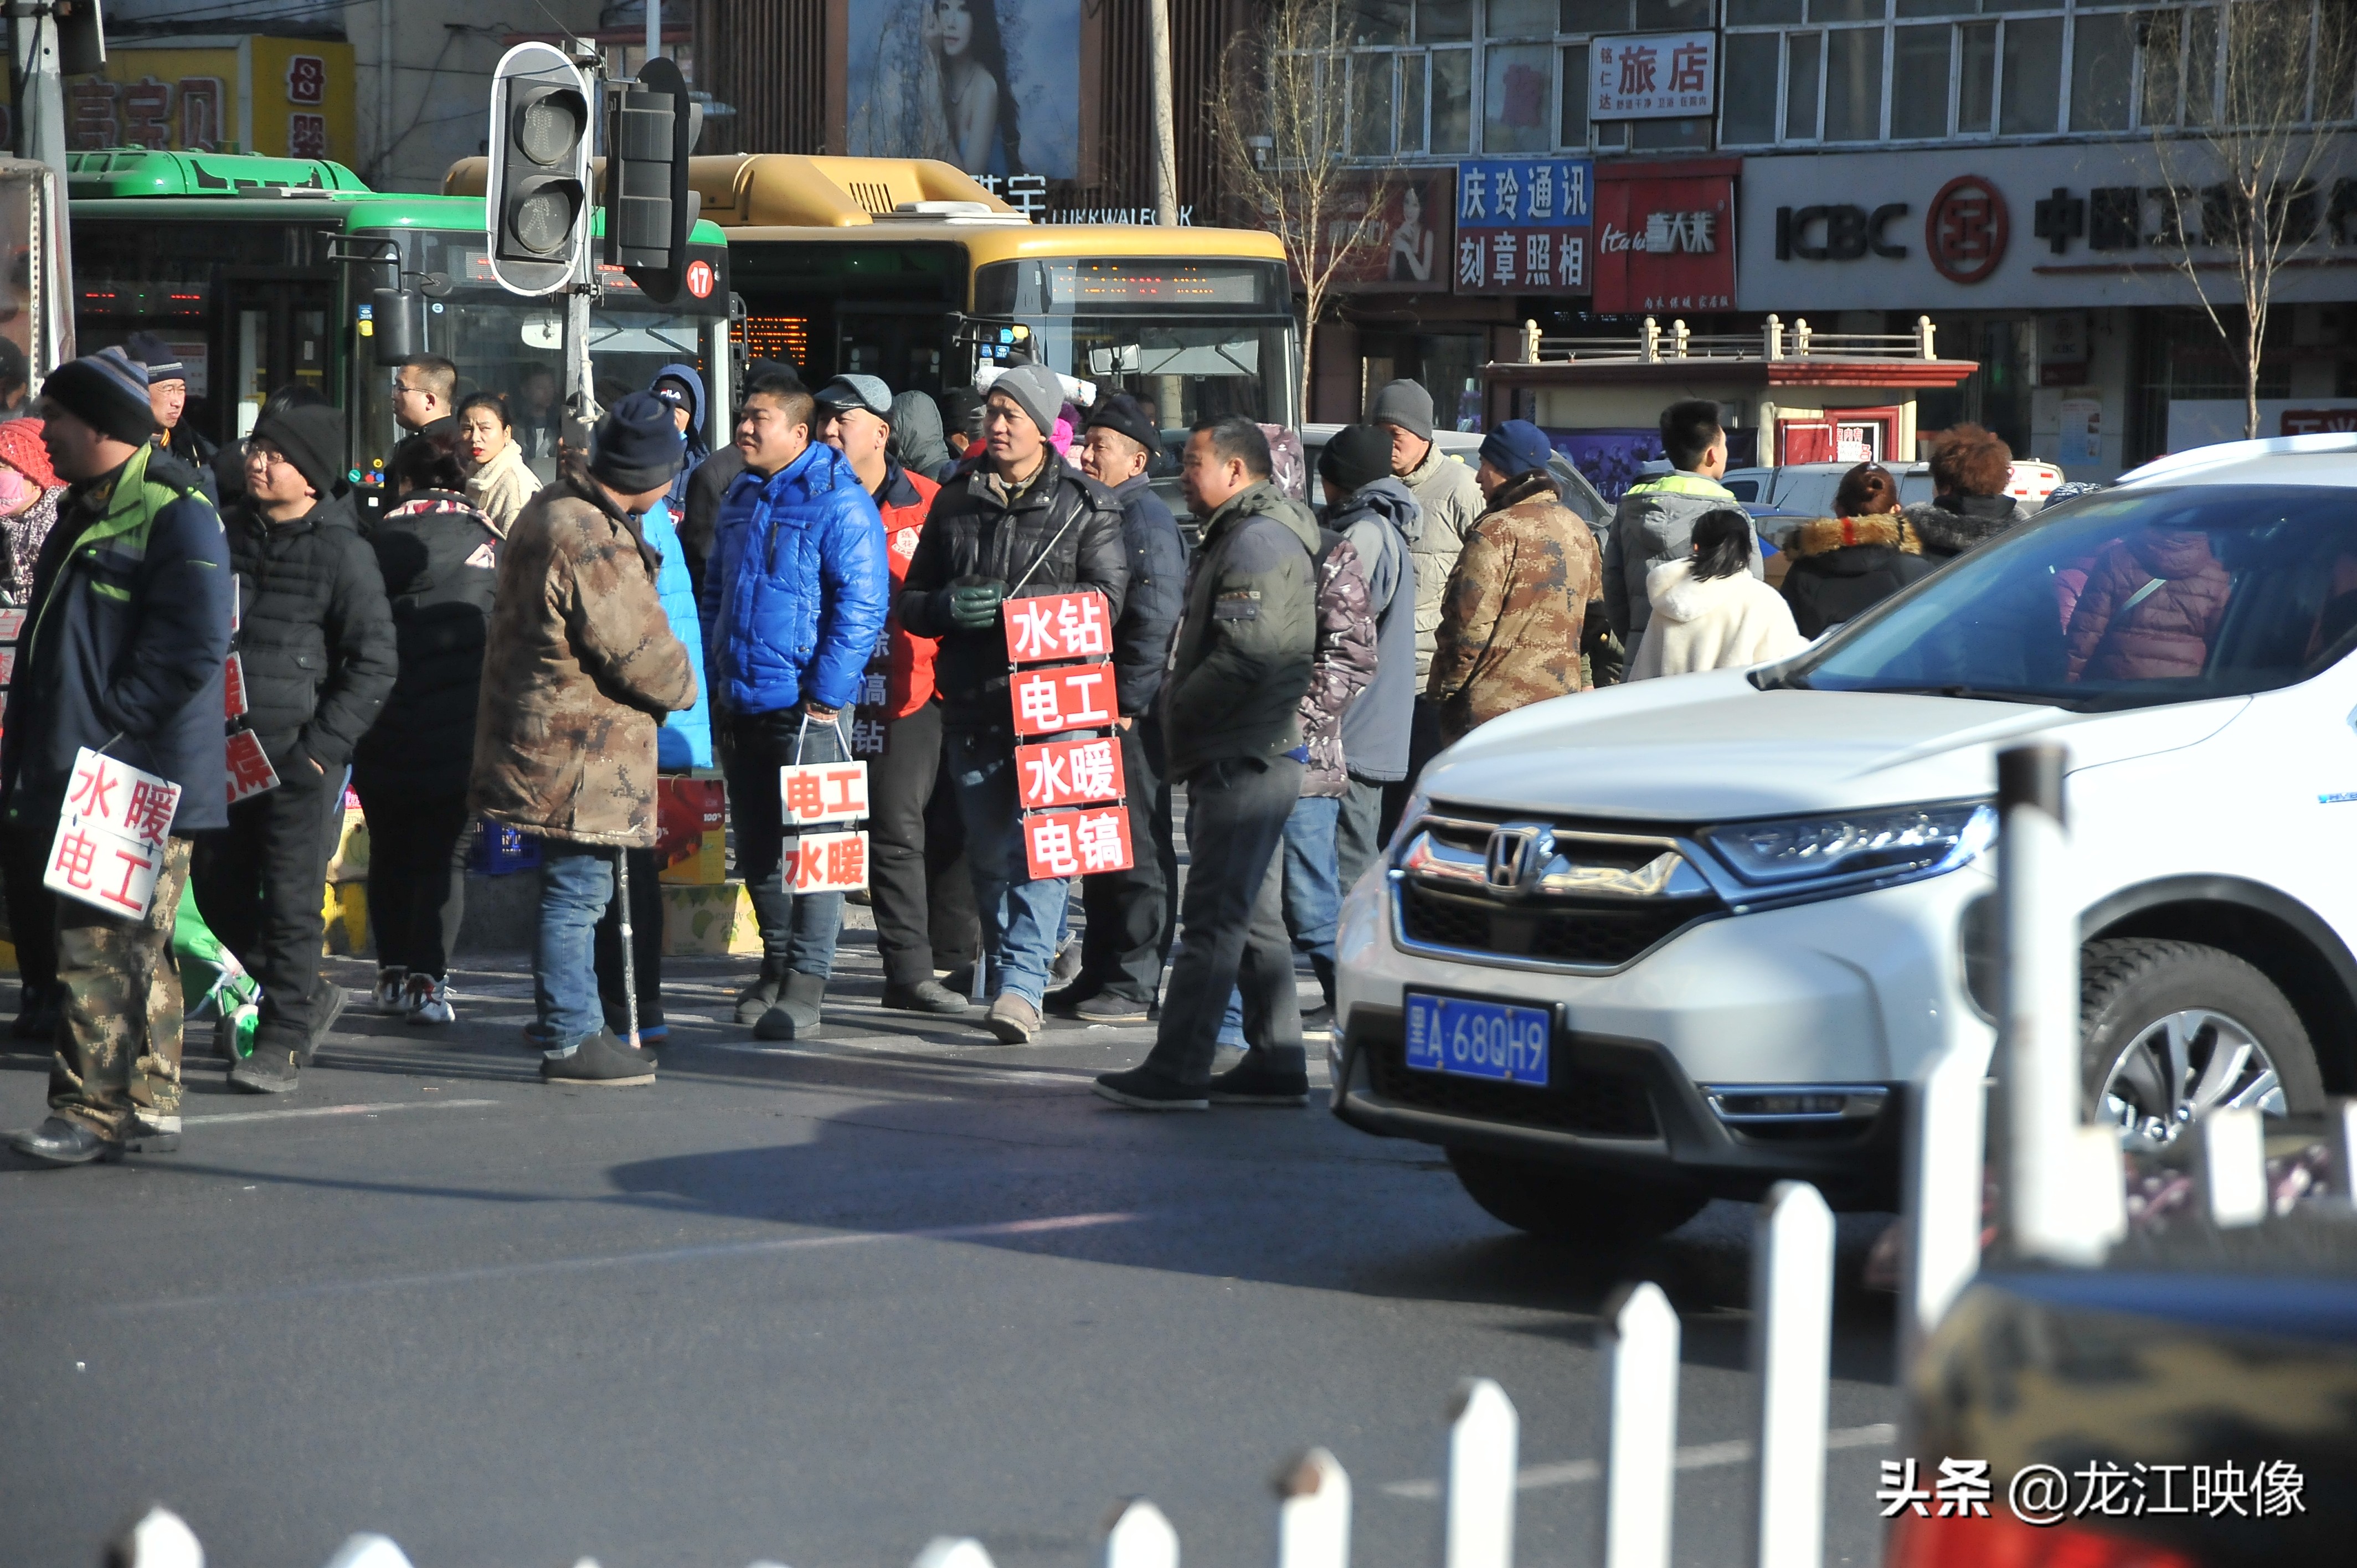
[1823, 535]
[1949, 525]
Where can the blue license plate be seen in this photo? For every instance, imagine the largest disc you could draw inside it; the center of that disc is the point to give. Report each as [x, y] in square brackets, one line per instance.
[1477, 1039]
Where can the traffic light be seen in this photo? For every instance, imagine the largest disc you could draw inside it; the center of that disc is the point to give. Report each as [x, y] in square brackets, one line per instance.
[648, 207]
[82, 37]
[536, 203]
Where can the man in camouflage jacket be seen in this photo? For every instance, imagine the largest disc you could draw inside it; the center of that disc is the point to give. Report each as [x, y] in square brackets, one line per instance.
[1343, 667]
[1511, 621]
[580, 667]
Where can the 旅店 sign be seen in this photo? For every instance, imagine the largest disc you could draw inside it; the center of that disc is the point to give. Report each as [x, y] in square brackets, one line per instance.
[1523, 225]
[1653, 76]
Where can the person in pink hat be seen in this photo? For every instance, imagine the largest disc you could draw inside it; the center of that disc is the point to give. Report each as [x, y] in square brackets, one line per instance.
[29, 489]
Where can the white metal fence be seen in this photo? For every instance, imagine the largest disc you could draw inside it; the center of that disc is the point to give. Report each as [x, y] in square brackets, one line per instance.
[2062, 1204]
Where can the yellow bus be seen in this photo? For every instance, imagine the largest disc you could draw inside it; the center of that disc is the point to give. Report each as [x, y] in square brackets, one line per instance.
[909, 270]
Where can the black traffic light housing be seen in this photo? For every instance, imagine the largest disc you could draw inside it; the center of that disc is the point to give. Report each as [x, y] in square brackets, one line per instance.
[536, 203]
[82, 38]
[649, 207]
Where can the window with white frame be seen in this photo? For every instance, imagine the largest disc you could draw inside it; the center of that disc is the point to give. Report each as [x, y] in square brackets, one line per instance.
[1438, 78]
[1846, 72]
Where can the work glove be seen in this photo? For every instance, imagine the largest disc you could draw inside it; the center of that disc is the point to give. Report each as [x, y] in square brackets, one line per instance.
[973, 605]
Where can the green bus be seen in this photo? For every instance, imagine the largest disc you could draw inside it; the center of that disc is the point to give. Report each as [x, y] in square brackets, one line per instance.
[265, 271]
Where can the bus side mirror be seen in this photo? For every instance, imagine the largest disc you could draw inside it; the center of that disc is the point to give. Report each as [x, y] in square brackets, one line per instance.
[393, 315]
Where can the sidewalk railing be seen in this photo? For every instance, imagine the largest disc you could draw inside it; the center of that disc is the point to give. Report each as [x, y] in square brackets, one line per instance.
[1774, 342]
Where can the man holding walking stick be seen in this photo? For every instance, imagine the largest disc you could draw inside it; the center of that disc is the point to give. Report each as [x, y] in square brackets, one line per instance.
[580, 666]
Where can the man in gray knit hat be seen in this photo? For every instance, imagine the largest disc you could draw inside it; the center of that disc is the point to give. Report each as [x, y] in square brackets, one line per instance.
[1451, 502]
[1020, 524]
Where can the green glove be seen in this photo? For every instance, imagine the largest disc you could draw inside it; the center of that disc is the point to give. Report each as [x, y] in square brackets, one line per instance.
[973, 606]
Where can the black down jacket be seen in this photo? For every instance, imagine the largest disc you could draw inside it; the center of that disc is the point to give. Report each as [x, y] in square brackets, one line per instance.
[1842, 567]
[313, 636]
[1156, 593]
[440, 562]
[1061, 531]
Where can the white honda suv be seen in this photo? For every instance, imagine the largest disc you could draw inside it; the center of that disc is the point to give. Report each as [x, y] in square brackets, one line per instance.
[1641, 947]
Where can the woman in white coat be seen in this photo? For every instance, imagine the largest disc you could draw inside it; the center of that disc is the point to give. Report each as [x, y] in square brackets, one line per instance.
[1709, 612]
[498, 481]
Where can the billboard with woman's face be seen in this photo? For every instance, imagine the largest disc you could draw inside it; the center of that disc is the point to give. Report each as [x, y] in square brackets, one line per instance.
[993, 86]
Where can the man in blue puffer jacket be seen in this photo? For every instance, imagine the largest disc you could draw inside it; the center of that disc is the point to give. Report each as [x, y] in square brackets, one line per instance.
[795, 592]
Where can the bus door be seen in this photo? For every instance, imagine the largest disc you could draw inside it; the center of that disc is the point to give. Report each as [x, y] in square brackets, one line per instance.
[279, 326]
[904, 347]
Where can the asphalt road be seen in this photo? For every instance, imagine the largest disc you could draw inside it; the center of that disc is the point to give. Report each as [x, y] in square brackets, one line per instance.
[814, 1304]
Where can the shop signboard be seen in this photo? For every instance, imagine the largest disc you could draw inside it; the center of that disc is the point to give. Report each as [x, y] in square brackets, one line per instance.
[1405, 235]
[1665, 237]
[277, 97]
[2056, 228]
[1524, 225]
[1652, 76]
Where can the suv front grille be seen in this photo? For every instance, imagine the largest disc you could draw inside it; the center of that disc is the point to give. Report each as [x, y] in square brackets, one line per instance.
[1575, 1099]
[1599, 937]
[1534, 893]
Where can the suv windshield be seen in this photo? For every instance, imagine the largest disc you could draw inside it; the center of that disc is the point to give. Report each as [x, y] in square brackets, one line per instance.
[2128, 599]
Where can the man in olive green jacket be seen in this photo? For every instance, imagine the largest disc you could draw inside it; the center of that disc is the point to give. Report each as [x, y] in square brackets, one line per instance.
[1230, 711]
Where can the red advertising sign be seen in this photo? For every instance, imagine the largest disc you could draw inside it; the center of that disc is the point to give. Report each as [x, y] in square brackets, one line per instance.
[233, 688]
[2319, 421]
[1664, 240]
[826, 863]
[1062, 697]
[1403, 243]
[823, 792]
[250, 772]
[1077, 844]
[1069, 772]
[1058, 625]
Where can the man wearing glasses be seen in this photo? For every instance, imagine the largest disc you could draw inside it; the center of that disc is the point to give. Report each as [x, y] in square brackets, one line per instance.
[316, 645]
[425, 396]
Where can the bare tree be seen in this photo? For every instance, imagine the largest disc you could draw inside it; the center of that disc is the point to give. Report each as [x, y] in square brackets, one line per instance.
[1281, 117]
[2248, 161]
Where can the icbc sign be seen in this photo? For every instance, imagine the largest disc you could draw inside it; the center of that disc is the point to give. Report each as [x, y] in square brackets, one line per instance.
[1965, 230]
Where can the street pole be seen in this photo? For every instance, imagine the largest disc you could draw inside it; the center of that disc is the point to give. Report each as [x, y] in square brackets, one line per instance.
[383, 90]
[1165, 135]
[41, 110]
[654, 28]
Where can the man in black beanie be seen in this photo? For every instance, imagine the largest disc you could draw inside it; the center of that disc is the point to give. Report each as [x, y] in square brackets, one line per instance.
[580, 667]
[167, 396]
[129, 661]
[315, 640]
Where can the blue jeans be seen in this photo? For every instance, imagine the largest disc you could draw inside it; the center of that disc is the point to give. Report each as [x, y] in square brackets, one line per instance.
[798, 931]
[1022, 920]
[577, 882]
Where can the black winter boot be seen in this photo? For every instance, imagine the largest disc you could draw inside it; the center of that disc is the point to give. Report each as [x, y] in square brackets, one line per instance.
[796, 1016]
[762, 994]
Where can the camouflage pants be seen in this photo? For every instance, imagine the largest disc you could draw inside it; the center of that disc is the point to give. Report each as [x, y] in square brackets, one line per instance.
[117, 1068]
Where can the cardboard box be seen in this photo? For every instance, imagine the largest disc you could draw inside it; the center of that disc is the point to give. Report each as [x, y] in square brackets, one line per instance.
[692, 831]
[709, 921]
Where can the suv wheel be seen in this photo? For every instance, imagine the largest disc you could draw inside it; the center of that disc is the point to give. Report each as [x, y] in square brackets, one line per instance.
[2171, 1030]
[1565, 1203]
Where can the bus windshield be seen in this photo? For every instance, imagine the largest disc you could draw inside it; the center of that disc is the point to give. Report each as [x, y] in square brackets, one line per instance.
[1192, 340]
[513, 346]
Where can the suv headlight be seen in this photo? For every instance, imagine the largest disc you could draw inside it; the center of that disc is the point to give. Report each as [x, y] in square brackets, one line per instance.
[1885, 843]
